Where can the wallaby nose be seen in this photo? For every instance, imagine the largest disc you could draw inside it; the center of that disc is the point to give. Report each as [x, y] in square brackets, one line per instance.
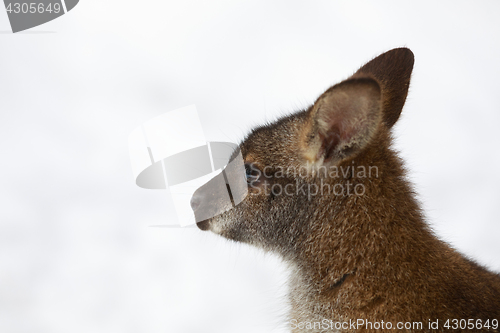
[195, 202]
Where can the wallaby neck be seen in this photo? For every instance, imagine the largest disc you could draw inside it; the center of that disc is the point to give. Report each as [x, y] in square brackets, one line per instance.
[371, 239]
[372, 255]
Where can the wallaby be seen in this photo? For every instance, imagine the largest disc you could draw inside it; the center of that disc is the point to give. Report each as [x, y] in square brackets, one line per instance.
[328, 194]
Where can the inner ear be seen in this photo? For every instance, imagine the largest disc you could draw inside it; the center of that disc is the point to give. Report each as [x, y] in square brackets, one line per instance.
[344, 119]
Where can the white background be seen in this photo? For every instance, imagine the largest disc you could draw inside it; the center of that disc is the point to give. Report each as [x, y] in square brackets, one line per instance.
[77, 253]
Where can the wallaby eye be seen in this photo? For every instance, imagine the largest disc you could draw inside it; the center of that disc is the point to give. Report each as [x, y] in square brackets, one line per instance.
[252, 174]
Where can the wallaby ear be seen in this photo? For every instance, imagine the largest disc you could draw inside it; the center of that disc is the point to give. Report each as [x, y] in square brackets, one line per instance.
[392, 70]
[343, 120]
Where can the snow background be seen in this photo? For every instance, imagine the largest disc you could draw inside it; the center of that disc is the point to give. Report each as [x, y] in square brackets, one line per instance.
[77, 252]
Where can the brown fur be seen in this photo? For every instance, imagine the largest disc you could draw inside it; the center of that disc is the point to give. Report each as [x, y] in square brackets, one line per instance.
[369, 256]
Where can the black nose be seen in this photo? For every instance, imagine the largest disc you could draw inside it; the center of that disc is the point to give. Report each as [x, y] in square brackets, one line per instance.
[195, 202]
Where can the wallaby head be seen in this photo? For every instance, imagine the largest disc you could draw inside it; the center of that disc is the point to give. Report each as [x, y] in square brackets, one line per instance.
[327, 193]
[333, 146]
